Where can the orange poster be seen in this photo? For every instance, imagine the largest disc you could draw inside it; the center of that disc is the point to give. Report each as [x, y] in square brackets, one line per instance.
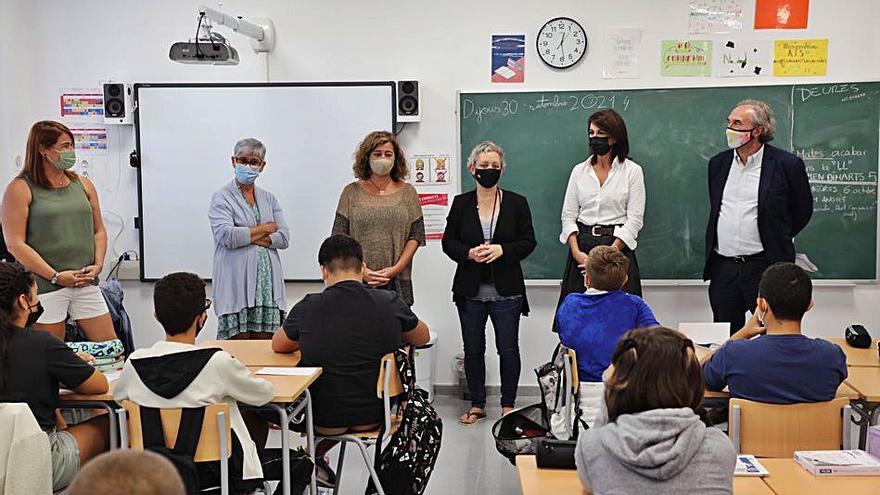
[781, 14]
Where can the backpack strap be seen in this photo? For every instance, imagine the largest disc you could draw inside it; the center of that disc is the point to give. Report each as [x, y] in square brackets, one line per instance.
[188, 431]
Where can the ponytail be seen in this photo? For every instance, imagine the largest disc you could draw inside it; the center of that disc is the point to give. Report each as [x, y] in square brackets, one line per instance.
[15, 280]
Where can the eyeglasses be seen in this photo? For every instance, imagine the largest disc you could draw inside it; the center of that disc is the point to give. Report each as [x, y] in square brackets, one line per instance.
[250, 162]
[208, 304]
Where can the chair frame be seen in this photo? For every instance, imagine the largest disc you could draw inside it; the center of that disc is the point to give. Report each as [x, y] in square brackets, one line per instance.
[569, 376]
[736, 411]
[224, 432]
[388, 376]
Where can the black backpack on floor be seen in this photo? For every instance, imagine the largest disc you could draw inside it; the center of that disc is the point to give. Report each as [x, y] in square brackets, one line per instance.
[405, 464]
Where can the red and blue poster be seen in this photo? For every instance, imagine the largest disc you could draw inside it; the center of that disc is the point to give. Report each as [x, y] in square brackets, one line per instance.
[508, 58]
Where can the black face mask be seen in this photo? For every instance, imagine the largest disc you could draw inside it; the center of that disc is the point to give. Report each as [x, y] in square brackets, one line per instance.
[33, 316]
[599, 145]
[487, 177]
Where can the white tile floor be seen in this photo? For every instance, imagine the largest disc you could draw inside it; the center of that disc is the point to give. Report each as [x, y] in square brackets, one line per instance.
[468, 462]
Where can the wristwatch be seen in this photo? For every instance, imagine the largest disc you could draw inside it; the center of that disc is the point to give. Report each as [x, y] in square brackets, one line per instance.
[54, 280]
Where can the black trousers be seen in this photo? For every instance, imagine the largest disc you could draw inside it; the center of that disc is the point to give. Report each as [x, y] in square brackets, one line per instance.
[733, 289]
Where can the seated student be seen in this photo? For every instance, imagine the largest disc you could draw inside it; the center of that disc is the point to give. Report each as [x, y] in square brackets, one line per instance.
[174, 373]
[128, 472]
[648, 439]
[592, 322]
[32, 365]
[783, 366]
[346, 329]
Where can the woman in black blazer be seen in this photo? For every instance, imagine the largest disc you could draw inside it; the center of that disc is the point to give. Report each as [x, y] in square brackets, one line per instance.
[488, 232]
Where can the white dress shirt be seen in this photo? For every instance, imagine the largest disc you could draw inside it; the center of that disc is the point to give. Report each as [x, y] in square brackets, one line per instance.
[738, 220]
[619, 201]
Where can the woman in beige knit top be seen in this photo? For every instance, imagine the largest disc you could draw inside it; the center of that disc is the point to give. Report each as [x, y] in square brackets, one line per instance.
[383, 213]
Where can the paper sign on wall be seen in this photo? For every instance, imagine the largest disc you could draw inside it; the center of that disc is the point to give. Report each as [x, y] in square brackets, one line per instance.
[90, 140]
[800, 58]
[686, 58]
[430, 170]
[508, 58]
[622, 53]
[435, 207]
[715, 16]
[82, 105]
[781, 14]
[744, 58]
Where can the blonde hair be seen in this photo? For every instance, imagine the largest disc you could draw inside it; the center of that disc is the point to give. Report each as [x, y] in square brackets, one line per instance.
[484, 147]
[607, 268]
[361, 165]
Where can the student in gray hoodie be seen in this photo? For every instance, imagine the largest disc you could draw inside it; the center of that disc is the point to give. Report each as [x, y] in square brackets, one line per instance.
[647, 438]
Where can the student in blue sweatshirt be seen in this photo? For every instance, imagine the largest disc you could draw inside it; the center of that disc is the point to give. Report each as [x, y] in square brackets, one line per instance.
[591, 323]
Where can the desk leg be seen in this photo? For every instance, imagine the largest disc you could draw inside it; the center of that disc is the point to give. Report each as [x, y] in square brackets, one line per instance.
[114, 428]
[285, 447]
[866, 411]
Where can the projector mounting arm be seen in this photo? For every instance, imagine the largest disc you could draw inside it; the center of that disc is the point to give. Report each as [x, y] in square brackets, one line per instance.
[262, 30]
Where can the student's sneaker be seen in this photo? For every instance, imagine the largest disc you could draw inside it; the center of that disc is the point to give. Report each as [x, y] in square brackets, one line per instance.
[326, 476]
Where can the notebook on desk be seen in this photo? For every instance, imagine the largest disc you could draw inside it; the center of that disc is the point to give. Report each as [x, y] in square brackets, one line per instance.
[705, 333]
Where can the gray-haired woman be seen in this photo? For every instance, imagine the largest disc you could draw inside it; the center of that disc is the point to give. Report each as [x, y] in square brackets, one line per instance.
[488, 232]
[249, 229]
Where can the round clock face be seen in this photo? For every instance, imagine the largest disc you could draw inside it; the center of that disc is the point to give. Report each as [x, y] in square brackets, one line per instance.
[561, 43]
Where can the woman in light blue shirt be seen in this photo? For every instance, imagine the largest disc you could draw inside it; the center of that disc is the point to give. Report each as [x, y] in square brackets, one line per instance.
[249, 229]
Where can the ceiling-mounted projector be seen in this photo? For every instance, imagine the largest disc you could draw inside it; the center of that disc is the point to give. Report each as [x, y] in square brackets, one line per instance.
[212, 48]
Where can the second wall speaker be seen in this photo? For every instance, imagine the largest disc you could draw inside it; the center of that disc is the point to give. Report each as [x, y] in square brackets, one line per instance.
[408, 104]
[117, 103]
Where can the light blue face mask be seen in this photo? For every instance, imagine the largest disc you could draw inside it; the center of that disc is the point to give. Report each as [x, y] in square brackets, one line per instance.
[245, 174]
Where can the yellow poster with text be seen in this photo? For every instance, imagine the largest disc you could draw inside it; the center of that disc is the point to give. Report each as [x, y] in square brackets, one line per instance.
[800, 58]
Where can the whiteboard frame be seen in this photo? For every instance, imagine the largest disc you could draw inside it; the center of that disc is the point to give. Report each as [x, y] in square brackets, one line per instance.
[674, 282]
[137, 86]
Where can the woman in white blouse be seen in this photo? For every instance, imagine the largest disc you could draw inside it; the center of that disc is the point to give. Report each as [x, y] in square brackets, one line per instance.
[604, 202]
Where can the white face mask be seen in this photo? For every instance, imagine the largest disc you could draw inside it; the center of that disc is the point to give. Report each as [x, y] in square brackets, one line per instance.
[737, 139]
[381, 166]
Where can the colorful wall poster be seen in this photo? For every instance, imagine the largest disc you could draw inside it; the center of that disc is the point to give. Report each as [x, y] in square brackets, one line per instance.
[508, 58]
[622, 47]
[90, 140]
[430, 170]
[744, 58]
[82, 105]
[715, 16]
[435, 208]
[686, 58]
[800, 58]
[781, 14]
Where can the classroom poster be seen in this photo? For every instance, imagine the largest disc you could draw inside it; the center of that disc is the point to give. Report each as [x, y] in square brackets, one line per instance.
[744, 58]
[781, 14]
[686, 58]
[430, 170]
[90, 140]
[622, 47]
[435, 208]
[800, 58]
[82, 105]
[715, 16]
[508, 58]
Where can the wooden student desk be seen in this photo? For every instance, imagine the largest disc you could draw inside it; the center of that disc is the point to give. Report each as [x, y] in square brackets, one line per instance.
[534, 481]
[254, 352]
[787, 477]
[856, 357]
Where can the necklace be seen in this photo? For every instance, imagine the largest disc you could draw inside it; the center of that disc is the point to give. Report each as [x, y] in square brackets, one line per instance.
[381, 190]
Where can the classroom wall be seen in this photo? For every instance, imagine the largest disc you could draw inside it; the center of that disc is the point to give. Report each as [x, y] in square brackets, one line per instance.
[45, 45]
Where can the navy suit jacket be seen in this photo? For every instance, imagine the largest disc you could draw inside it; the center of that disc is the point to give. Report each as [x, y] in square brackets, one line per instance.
[785, 202]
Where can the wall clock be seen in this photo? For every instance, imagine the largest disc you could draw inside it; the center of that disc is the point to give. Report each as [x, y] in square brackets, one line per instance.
[561, 43]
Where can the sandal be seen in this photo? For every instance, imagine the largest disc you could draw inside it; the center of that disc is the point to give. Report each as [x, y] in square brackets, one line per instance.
[477, 414]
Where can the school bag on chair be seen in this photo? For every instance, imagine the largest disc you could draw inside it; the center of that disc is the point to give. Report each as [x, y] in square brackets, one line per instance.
[555, 399]
[405, 464]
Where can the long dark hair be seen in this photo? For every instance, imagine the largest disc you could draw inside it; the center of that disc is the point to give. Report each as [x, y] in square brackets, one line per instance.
[15, 280]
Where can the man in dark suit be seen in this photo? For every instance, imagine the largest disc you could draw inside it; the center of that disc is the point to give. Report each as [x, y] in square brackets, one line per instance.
[760, 199]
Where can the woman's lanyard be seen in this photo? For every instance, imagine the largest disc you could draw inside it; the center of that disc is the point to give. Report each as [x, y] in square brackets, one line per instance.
[492, 224]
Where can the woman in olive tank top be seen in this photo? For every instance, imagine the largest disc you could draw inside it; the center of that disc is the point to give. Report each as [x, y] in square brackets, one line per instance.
[52, 225]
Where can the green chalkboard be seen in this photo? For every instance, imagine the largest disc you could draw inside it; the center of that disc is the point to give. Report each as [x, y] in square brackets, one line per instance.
[673, 133]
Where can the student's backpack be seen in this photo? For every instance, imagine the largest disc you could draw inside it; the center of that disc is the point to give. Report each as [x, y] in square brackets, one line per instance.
[184, 450]
[552, 385]
[405, 464]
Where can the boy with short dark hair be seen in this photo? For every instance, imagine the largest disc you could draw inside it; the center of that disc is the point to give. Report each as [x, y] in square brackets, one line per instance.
[782, 366]
[592, 322]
